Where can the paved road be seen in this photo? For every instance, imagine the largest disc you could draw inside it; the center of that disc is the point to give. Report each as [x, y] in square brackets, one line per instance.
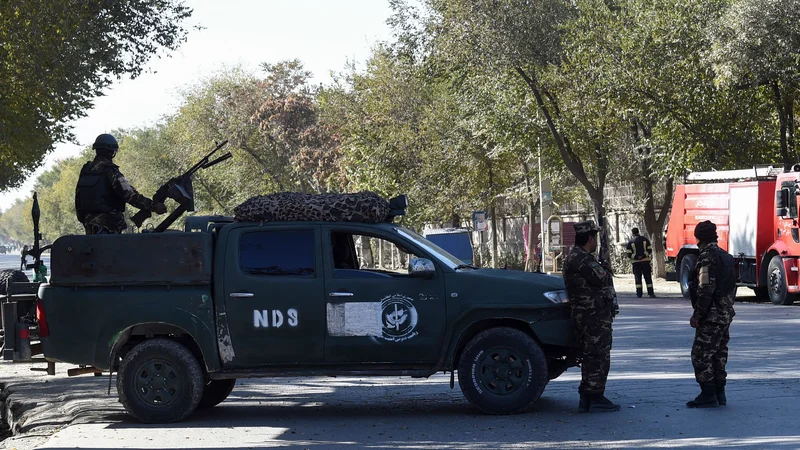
[650, 375]
[11, 261]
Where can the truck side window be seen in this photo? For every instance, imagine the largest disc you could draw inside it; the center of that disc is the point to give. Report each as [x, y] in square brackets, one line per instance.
[278, 253]
[353, 252]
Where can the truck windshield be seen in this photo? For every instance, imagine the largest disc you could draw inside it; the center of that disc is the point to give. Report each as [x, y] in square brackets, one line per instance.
[445, 258]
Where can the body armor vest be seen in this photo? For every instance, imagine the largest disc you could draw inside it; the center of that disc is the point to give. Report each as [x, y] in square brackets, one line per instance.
[93, 194]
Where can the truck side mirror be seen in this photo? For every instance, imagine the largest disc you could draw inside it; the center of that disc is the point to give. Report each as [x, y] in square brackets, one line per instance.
[421, 268]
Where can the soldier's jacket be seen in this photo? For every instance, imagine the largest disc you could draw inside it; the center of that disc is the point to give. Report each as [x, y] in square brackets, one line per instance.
[712, 285]
[102, 193]
[589, 288]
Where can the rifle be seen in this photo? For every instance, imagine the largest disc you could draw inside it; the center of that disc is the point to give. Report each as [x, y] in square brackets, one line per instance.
[603, 255]
[39, 269]
[180, 189]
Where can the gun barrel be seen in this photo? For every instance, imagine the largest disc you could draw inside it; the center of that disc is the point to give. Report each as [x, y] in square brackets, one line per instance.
[218, 160]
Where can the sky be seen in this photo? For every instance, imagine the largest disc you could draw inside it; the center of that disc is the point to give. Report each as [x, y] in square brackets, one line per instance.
[323, 34]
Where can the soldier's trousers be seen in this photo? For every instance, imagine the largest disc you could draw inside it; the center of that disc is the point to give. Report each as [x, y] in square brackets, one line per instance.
[710, 351]
[595, 342]
[643, 269]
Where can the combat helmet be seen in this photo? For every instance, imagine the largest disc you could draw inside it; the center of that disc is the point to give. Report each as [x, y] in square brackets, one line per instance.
[106, 143]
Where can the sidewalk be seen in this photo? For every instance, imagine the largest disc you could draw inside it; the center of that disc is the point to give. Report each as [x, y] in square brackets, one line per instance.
[36, 405]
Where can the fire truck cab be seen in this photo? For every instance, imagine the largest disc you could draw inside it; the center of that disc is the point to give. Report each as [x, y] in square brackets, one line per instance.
[756, 214]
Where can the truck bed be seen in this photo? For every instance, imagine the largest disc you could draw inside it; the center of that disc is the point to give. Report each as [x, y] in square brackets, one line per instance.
[172, 258]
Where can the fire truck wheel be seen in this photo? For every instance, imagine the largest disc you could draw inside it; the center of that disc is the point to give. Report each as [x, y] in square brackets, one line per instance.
[687, 266]
[776, 282]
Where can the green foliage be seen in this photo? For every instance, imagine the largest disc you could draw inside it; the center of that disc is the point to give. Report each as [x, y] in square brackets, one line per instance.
[57, 55]
[756, 46]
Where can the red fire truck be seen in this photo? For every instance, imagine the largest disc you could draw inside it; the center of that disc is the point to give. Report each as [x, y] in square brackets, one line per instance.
[756, 214]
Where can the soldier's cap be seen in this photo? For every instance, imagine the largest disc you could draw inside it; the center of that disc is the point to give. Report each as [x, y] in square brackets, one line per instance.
[706, 231]
[587, 226]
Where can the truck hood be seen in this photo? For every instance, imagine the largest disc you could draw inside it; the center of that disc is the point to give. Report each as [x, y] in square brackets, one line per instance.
[541, 280]
[495, 287]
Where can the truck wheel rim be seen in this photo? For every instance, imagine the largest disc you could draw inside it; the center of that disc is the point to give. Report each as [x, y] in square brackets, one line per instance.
[501, 371]
[157, 383]
[775, 281]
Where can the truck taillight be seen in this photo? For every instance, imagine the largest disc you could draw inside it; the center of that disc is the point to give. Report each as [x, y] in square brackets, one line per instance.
[41, 318]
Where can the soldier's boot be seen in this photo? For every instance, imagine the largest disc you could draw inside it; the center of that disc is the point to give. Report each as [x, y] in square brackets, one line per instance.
[720, 391]
[599, 403]
[707, 397]
[583, 406]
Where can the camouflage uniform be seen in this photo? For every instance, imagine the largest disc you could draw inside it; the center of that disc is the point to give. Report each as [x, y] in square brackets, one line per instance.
[592, 308]
[713, 311]
[101, 195]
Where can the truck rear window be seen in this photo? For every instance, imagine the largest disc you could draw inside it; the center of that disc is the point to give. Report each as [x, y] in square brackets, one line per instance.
[278, 253]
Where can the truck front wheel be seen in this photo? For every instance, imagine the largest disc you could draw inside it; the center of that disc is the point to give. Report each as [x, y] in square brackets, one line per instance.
[160, 381]
[776, 283]
[502, 371]
[215, 392]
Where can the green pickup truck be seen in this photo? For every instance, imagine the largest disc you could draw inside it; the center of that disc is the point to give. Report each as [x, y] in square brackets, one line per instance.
[180, 315]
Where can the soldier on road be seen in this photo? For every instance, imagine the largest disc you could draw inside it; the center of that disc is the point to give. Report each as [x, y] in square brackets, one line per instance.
[591, 300]
[102, 192]
[640, 251]
[712, 289]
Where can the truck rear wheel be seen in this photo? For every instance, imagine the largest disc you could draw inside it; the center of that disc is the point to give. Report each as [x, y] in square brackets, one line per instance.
[160, 381]
[776, 283]
[502, 371]
[215, 392]
[687, 266]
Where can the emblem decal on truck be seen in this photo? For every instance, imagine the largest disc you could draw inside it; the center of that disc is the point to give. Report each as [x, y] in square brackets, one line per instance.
[394, 318]
[399, 318]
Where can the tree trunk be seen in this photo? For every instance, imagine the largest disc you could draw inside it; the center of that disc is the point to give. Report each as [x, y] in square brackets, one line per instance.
[366, 253]
[531, 262]
[493, 215]
[654, 223]
[788, 160]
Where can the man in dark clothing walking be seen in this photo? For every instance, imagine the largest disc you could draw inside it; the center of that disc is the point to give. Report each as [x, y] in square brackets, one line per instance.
[591, 299]
[713, 290]
[641, 254]
[103, 191]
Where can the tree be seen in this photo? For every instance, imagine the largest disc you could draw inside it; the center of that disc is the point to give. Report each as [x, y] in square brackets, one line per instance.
[527, 39]
[59, 55]
[646, 60]
[757, 45]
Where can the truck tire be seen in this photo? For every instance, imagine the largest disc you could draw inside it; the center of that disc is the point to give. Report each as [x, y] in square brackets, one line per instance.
[502, 371]
[215, 392]
[687, 266]
[160, 381]
[776, 283]
[11, 275]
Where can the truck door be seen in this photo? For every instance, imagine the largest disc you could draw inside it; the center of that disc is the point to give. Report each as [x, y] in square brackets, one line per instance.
[273, 289]
[376, 312]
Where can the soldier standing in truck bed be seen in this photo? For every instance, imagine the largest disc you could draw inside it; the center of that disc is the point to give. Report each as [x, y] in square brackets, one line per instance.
[640, 251]
[591, 300]
[102, 192]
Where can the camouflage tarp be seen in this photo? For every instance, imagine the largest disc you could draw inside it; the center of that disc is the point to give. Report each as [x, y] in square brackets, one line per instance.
[365, 207]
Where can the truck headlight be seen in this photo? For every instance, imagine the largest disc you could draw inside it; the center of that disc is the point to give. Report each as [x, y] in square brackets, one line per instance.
[557, 296]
